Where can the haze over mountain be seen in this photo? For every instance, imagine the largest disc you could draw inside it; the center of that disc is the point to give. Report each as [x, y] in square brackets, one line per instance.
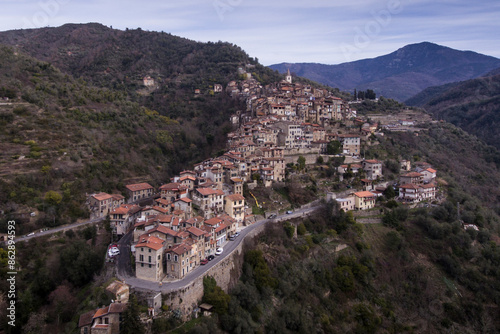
[473, 105]
[400, 74]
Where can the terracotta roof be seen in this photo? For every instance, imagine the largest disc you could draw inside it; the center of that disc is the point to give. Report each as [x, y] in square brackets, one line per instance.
[185, 199]
[162, 201]
[364, 194]
[117, 307]
[176, 221]
[206, 191]
[150, 241]
[195, 231]
[235, 197]
[121, 210]
[102, 196]
[164, 230]
[117, 197]
[412, 174]
[373, 161]
[409, 186]
[172, 186]
[150, 245]
[164, 218]
[100, 312]
[138, 186]
[430, 170]
[160, 209]
[213, 221]
[86, 319]
[180, 249]
[220, 228]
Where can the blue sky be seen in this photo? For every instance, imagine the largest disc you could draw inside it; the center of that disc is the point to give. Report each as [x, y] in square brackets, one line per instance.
[275, 31]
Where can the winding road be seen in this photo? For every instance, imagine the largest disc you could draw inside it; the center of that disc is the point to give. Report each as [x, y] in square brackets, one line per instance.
[124, 270]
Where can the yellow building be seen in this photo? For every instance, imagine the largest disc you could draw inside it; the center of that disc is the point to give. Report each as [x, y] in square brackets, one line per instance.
[364, 200]
[234, 205]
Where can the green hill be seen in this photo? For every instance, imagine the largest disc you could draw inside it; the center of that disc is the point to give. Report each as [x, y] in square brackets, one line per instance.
[472, 105]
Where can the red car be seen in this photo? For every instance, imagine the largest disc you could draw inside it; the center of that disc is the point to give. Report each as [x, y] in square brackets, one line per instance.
[203, 262]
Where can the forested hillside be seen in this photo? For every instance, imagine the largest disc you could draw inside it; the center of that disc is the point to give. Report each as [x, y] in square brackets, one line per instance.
[80, 119]
[473, 105]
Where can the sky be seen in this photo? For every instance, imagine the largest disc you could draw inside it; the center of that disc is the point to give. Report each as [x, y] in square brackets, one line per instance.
[276, 31]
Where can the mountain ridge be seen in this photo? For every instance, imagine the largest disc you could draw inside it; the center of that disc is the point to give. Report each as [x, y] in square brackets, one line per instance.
[400, 74]
[471, 105]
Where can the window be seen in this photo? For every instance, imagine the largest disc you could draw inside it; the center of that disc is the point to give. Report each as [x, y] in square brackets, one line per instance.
[150, 265]
[149, 250]
[149, 258]
[141, 257]
[142, 264]
[106, 321]
[168, 256]
[176, 258]
[159, 257]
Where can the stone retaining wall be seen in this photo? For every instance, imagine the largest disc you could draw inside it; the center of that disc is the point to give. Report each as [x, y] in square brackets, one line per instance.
[226, 274]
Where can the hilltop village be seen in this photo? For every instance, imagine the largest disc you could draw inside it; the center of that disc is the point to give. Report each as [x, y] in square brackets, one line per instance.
[197, 211]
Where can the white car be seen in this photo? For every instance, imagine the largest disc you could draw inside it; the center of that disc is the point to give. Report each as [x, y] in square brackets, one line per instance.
[219, 251]
[114, 251]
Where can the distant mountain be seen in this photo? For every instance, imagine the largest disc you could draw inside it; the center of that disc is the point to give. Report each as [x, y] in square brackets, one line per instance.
[473, 105]
[400, 74]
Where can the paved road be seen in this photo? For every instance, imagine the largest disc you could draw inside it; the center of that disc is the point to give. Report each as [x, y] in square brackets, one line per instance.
[58, 229]
[37, 233]
[124, 271]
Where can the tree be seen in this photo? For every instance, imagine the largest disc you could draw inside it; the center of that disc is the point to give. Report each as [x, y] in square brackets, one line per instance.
[53, 198]
[333, 147]
[389, 192]
[215, 296]
[131, 323]
[301, 162]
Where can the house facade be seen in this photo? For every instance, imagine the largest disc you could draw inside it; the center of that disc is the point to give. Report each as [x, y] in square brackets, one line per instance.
[364, 200]
[139, 191]
[234, 205]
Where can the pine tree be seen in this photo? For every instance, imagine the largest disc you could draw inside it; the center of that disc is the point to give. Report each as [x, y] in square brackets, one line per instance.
[131, 323]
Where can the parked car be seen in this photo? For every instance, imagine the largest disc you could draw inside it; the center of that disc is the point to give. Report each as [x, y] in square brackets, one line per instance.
[232, 238]
[289, 212]
[237, 234]
[30, 234]
[272, 216]
[219, 251]
[113, 251]
[210, 257]
[204, 262]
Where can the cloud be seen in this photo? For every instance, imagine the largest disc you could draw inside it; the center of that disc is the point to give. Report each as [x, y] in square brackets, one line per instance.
[284, 31]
